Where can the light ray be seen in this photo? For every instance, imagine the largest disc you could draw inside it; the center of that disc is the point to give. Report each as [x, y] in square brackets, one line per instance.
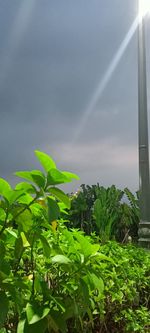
[105, 80]
[19, 27]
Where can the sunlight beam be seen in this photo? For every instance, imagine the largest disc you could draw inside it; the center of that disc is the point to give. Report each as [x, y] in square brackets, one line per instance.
[105, 80]
[19, 27]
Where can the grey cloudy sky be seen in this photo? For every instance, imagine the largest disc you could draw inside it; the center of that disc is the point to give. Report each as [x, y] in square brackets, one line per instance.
[59, 93]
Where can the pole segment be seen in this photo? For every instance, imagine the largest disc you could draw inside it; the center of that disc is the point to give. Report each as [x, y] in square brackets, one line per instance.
[144, 180]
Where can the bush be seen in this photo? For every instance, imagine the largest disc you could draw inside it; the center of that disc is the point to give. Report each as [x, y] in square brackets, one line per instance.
[110, 212]
[57, 280]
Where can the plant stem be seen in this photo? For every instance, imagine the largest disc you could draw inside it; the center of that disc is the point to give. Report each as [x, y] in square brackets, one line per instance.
[32, 268]
[5, 223]
[26, 207]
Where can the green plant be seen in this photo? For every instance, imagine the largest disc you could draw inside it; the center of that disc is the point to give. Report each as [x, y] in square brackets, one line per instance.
[27, 215]
[106, 212]
[54, 279]
[48, 274]
[127, 289]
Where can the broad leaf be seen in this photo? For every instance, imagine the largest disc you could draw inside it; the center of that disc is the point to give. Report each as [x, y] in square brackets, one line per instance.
[38, 178]
[61, 259]
[45, 160]
[94, 283]
[2, 214]
[11, 232]
[70, 175]
[53, 210]
[55, 177]
[60, 195]
[25, 187]
[86, 246]
[25, 175]
[38, 327]
[97, 282]
[5, 188]
[34, 176]
[14, 195]
[35, 313]
[25, 221]
[101, 256]
[46, 247]
[18, 248]
[25, 199]
[24, 240]
[85, 292]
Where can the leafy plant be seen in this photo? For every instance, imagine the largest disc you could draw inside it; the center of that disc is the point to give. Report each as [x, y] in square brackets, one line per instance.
[54, 279]
[106, 212]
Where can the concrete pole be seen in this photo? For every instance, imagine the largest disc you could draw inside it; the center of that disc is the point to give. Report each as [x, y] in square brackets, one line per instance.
[144, 180]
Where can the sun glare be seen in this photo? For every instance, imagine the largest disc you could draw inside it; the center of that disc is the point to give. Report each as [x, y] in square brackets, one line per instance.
[104, 81]
[144, 7]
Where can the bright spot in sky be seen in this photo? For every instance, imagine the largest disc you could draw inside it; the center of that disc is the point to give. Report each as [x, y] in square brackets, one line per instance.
[105, 80]
[144, 7]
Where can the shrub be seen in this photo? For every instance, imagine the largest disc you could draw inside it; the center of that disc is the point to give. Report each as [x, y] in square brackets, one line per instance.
[106, 212]
[57, 280]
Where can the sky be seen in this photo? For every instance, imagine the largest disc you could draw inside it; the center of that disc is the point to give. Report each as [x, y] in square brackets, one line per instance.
[68, 87]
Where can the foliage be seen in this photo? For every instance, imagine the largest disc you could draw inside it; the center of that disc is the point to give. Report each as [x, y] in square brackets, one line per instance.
[106, 212]
[53, 279]
[127, 288]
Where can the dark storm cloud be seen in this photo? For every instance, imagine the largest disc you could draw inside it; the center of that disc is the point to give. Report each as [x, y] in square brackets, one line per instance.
[52, 70]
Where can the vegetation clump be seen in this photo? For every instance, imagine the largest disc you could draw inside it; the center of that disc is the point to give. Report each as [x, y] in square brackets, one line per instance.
[110, 212]
[53, 277]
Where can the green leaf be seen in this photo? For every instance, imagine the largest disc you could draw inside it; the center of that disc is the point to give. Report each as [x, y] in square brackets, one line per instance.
[35, 313]
[11, 232]
[45, 160]
[25, 187]
[53, 210]
[5, 188]
[46, 247]
[97, 282]
[85, 292]
[102, 256]
[2, 214]
[86, 246]
[21, 326]
[38, 327]
[59, 194]
[38, 178]
[94, 283]
[14, 195]
[3, 307]
[61, 259]
[24, 174]
[57, 301]
[70, 175]
[24, 239]
[55, 177]
[24, 220]
[18, 247]
[34, 176]
[25, 199]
